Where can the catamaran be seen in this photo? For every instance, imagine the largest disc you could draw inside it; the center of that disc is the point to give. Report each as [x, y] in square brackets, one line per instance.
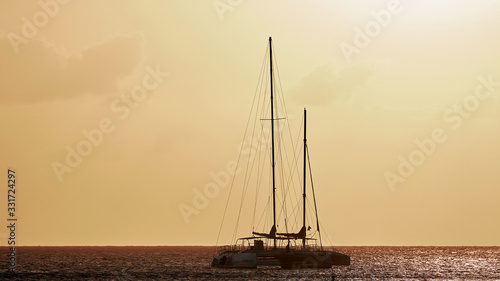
[284, 249]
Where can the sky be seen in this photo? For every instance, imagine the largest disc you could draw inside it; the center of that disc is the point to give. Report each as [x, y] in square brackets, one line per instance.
[117, 115]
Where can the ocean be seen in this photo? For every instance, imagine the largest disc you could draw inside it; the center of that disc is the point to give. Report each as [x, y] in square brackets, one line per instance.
[193, 263]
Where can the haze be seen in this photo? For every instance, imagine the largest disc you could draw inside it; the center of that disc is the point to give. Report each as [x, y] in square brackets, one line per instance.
[402, 119]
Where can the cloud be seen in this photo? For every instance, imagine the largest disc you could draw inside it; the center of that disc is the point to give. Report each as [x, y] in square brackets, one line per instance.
[326, 84]
[41, 72]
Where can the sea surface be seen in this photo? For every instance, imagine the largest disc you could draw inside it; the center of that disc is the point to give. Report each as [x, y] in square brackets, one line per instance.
[193, 263]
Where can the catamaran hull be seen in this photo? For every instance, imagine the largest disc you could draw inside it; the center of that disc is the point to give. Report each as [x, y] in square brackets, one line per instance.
[235, 260]
[301, 259]
[340, 259]
[313, 259]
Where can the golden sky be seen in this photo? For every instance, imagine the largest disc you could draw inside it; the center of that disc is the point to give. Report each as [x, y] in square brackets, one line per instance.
[115, 113]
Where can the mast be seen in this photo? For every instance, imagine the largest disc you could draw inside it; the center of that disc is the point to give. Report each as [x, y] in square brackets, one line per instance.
[272, 136]
[304, 193]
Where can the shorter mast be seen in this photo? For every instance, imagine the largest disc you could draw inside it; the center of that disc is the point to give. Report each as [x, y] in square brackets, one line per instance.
[304, 193]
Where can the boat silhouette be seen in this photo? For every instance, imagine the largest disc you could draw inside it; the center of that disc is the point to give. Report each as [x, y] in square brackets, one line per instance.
[284, 249]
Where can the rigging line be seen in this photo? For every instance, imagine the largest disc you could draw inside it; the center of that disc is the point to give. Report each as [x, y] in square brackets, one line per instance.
[278, 150]
[296, 213]
[247, 184]
[286, 114]
[266, 208]
[262, 160]
[257, 188]
[263, 91]
[283, 190]
[256, 194]
[295, 170]
[282, 176]
[265, 102]
[326, 233]
[290, 183]
[284, 186]
[286, 189]
[298, 147]
[311, 210]
[239, 157]
[269, 210]
[314, 208]
[260, 173]
[246, 181]
[265, 88]
[282, 97]
[314, 196]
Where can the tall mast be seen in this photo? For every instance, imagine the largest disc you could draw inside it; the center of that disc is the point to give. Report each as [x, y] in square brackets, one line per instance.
[272, 135]
[304, 193]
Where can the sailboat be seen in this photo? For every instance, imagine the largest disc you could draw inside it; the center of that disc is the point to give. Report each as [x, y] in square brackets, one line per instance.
[284, 249]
